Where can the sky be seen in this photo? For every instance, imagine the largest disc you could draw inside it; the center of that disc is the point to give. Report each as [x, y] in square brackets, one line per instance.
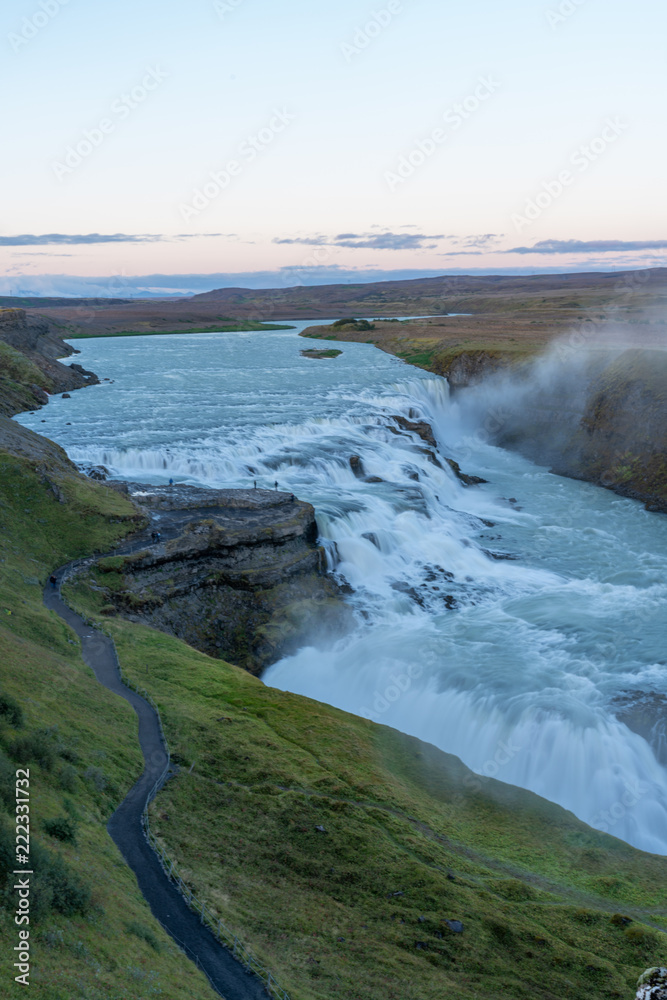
[168, 146]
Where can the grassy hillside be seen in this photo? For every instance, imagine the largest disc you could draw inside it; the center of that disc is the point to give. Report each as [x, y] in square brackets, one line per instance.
[550, 908]
[92, 934]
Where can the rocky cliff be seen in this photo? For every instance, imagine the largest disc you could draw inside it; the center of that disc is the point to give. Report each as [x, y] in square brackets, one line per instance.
[621, 440]
[237, 574]
[603, 419]
[29, 369]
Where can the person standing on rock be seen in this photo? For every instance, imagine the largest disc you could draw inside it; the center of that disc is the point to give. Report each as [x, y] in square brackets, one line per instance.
[53, 581]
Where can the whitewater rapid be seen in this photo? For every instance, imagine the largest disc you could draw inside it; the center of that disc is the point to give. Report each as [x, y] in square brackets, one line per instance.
[501, 622]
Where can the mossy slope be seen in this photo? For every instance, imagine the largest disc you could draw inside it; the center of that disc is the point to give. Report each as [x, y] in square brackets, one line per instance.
[80, 744]
[412, 839]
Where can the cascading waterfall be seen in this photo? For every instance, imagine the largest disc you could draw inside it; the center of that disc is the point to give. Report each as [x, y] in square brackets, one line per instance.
[499, 622]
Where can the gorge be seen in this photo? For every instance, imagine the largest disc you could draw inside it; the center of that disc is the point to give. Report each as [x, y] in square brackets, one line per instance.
[487, 615]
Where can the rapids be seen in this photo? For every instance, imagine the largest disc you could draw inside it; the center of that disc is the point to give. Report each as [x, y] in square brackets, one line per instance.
[501, 622]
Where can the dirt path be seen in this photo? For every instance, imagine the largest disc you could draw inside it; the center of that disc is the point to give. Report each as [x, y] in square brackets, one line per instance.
[227, 976]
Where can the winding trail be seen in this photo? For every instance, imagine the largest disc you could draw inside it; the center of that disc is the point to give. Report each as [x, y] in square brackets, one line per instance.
[226, 975]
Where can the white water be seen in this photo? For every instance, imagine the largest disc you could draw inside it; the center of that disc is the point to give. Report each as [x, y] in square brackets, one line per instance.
[518, 679]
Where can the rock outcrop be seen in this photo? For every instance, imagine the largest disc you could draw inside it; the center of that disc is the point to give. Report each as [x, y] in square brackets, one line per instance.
[29, 366]
[237, 574]
[470, 367]
[621, 442]
[652, 985]
[603, 421]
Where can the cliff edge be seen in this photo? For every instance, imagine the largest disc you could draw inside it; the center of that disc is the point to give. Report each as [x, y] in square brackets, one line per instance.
[237, 574]
[29, 366]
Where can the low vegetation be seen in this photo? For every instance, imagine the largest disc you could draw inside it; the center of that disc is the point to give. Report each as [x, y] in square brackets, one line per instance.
[80, 744]
[224, 326]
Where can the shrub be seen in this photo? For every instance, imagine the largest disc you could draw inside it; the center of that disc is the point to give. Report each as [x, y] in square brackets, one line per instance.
[97, 777]
[357, 324]
[55, 886]
[11, 710]
[67, 778]
[62, 828]
[640, 936]
[7, 782]
[70, 895]
[144, 934]
[38, 746]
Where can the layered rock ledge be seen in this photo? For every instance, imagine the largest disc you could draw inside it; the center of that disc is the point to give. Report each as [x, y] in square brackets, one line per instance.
[237, 574]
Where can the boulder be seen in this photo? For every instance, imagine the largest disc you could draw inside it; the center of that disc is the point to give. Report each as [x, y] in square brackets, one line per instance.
[40, 396]
[652, 985]
[98, 472]
[419, 427]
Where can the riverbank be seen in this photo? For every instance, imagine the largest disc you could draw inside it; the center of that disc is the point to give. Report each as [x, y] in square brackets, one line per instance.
[29, 367]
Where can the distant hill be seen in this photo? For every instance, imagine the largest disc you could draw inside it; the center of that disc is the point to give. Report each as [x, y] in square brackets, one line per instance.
[554, 299]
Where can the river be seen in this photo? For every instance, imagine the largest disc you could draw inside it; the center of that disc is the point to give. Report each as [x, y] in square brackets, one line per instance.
[501, 622]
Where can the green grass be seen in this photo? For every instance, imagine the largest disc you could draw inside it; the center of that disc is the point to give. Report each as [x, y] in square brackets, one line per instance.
[86, 740]
[535, 888]
[18, 368]
[227, 326]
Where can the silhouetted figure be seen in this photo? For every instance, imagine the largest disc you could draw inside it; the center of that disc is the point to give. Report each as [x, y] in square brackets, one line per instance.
[276, 484]
[53, 581]
[171, 482]
[254, 484]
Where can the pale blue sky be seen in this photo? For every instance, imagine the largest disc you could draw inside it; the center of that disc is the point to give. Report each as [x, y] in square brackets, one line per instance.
[348, 114]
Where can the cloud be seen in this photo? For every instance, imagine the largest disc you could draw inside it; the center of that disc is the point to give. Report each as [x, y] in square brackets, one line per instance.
[370, 241]
[590, 246]
[58, 239]
[478, 242]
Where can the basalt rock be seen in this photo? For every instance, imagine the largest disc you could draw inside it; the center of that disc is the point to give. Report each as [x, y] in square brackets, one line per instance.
[472, 367]
[237, 574]
[98, 472]
[462, 476]
[419, 427]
